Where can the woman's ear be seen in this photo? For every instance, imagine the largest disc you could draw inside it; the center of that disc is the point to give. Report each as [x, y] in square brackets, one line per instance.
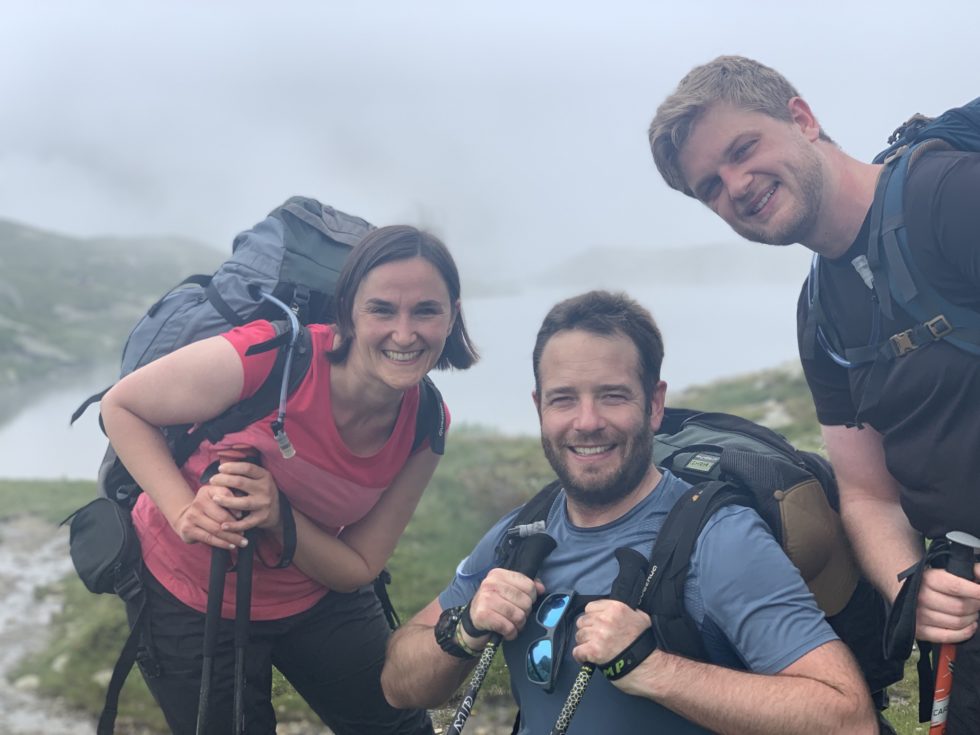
[452, 322]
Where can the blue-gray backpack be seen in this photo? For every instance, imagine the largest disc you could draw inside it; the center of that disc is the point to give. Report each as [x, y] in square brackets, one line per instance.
[285, 270]
[897, 280]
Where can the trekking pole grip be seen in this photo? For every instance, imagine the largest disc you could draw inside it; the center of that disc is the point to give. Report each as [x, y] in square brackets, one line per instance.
[529, 554]
[962, 554]
[625, 588]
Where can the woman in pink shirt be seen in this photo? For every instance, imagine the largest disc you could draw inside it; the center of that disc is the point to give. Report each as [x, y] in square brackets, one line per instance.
[355, 481]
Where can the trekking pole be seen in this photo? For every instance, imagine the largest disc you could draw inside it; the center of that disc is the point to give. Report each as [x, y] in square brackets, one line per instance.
[632, 570]
[220, 560]
[216, 593]
[243, 610]
[962, 553]
[528, 557]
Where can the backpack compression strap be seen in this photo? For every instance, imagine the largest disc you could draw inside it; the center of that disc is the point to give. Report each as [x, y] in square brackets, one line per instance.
[670, 561]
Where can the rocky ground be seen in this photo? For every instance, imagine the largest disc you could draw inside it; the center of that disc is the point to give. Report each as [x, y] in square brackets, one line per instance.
[33, 556]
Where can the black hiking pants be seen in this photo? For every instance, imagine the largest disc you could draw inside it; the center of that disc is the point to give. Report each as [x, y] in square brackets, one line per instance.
[332, 654]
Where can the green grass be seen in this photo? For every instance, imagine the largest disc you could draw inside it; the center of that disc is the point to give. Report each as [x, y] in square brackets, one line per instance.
[481, 477]
[51, 500]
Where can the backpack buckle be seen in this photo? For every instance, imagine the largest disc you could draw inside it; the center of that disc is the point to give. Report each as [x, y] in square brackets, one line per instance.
[902, 343]
[129, 585]
[939, 327]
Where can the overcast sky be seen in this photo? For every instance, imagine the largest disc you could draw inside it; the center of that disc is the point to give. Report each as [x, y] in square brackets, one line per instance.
[517, 130]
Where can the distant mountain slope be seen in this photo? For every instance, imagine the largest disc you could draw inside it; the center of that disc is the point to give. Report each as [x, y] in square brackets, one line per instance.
[618, 267]
[68, 303]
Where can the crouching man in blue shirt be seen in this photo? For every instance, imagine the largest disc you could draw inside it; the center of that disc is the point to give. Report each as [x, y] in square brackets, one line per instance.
[775, 666]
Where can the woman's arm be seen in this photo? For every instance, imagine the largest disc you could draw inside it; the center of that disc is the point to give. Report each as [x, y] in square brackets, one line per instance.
[192, 384]
[362, 550]
[342, 563]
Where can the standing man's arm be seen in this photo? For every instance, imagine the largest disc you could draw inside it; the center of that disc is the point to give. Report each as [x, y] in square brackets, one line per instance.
[885, 542]
[870, 506]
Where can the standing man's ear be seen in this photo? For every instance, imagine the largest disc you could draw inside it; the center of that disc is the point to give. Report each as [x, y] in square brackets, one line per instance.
[803, 117]
[537, 401]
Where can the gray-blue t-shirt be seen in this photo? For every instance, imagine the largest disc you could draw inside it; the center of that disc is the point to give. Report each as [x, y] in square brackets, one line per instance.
[749, 601]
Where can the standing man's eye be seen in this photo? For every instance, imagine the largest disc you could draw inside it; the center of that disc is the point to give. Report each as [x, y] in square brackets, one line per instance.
[743, 151]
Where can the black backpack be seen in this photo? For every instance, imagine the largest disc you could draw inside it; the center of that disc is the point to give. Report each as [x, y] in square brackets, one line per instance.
[897, 281]
[283, 269]
[731, 460]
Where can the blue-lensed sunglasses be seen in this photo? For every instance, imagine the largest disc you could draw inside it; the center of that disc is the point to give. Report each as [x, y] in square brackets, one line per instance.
[544, 655]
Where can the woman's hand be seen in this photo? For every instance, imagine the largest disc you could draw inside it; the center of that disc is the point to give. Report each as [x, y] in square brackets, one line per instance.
[201, 521]
[249, 496]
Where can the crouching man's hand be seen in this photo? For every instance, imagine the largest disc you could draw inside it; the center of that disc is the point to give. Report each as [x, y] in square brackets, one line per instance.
[615, 638]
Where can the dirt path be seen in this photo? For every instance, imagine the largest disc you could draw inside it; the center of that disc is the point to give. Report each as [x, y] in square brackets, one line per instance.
[33, 555]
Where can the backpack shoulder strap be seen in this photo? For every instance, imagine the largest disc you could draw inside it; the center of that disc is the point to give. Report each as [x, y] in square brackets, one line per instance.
[256, 406]
[430, 421]
[670, 560]
[900, 281]
[537, 508]
[529, 519]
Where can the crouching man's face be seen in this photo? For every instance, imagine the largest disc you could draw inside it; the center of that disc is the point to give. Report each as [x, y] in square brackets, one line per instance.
[597, 422]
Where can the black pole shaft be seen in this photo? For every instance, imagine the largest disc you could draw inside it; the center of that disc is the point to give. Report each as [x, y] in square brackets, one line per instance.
[243, 611]
[216, 593]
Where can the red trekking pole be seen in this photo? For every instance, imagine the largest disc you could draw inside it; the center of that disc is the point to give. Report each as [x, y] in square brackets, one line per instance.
[962, 555]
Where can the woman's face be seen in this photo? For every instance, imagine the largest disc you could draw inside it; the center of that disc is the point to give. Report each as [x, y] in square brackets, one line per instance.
[402, 316]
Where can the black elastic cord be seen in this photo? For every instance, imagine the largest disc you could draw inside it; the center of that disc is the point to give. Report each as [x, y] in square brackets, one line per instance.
[288, 532]
[631, 657]
[288, 535]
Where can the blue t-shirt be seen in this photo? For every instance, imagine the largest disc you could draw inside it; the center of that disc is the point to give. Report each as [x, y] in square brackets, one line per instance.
[752, 606]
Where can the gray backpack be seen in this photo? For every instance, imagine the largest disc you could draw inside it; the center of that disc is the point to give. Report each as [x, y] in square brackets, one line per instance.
[285, 267]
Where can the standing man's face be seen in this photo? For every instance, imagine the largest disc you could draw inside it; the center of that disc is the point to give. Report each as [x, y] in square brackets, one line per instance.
[761, 175]
[596, 422]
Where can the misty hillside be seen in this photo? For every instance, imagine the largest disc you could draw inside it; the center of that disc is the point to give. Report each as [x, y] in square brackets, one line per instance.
[67, 303]
[621, 267]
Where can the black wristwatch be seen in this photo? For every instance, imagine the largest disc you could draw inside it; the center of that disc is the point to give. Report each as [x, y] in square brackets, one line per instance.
[445, 631]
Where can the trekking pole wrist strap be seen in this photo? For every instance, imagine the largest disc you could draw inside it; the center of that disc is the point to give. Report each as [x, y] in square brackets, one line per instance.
[632, 656]
[469, 626]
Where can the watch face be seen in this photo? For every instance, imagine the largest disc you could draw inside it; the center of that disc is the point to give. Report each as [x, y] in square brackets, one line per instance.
[446, 627]
[445, 631]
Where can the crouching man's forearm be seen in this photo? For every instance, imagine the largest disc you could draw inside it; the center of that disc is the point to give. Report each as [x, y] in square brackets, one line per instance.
[822, 691]
[417, 673]
[833, 700]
